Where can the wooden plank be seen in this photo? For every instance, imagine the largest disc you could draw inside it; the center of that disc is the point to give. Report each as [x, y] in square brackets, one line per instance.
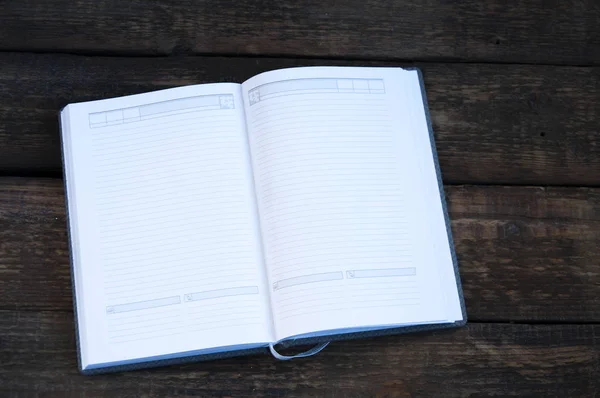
[560, 32]
[38, 357]
[525, 253]
[497, 124]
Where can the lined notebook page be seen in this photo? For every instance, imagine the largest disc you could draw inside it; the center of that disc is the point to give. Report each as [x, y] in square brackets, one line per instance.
[339, 200]
[170, 247]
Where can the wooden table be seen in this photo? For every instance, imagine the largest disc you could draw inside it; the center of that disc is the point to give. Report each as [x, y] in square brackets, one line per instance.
[514, 92]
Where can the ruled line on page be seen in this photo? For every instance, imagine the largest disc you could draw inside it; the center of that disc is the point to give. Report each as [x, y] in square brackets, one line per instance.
[211, 294]
[304, 279]
[142, 305]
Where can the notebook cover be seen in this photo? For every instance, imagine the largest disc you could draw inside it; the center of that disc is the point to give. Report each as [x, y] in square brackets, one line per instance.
[290, 342]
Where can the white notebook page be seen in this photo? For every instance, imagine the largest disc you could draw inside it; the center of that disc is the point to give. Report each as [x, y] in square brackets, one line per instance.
[344, 220]
[169, 252]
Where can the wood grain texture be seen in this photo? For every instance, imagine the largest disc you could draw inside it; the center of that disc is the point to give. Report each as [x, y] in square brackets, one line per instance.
[498, 124]
[535, 31]
[525, 253]
[38, 357]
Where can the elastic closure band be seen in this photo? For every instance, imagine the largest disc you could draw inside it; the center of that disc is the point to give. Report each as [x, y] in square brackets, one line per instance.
[315, 350]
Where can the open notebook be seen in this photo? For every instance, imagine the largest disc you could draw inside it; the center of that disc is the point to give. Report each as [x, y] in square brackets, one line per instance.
[304, 205]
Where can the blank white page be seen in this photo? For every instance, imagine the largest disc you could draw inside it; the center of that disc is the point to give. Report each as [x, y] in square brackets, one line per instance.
[164, 223]
[345, 214]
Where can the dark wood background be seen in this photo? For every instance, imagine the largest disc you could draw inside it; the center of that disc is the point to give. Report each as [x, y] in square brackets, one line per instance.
[514, 93]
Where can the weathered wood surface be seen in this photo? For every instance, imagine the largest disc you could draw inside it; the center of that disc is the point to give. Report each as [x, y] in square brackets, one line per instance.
[501, 124]
[525, 253]
[535, 31]
[39, 359]
[514, 92]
